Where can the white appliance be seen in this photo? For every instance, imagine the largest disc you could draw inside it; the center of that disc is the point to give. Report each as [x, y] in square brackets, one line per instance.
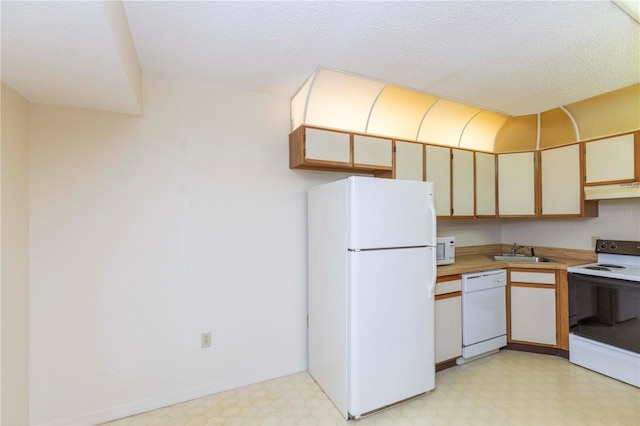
[484, 314]
[371, 291]
[445, 250]
[604, 311]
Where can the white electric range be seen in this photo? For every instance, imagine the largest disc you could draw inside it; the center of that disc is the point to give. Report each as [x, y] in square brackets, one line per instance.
[604, 311]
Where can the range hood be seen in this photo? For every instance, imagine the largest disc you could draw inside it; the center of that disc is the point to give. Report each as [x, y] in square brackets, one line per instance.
[609, 192]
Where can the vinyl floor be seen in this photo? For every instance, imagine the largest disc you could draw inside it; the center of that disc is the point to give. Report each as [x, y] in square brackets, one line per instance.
[508, 388]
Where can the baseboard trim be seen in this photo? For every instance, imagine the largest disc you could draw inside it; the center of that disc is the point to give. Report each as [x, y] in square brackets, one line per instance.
[547, 350]
[148, 404]
[446, 364]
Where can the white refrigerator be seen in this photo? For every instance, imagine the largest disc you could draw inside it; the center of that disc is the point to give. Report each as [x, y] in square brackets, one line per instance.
[372, 270]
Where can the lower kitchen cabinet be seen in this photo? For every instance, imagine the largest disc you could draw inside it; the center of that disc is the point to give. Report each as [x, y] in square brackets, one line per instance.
[532, 307]
[448, 318]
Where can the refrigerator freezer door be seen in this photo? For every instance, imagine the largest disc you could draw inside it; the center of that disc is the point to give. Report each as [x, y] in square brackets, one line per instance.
[391, 327]
[390, 213]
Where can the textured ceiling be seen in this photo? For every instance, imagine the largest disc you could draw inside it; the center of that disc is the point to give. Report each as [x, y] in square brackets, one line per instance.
[70, 53]
[512, 57]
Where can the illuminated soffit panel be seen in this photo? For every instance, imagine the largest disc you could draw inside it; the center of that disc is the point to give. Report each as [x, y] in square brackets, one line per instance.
[341, 101]
[445, 122]
[480, 133]
[299, 103]
[398, 112]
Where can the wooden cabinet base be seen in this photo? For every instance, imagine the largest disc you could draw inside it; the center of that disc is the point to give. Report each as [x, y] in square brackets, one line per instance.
[548, 350]
[446, 364]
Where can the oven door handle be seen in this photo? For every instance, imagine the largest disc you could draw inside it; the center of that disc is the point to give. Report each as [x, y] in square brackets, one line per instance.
[575, 278]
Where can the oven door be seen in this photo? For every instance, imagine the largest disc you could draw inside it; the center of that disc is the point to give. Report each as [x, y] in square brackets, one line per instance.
[606, 310]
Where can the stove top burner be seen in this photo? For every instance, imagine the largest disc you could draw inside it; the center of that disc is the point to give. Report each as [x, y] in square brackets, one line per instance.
[618, 260]
[597, 268]
[604, 267]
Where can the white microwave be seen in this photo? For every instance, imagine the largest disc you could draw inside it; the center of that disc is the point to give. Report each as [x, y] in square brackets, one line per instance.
[445, 250]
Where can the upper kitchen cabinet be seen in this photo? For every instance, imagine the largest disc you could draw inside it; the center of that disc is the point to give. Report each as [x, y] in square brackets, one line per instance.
[485, 169]
[409, 161]
[516, 184]
[613, 160]
[308, 146]
[438, 171]
[322, 149]
[462, 189]
[372, 153]
[561, 183]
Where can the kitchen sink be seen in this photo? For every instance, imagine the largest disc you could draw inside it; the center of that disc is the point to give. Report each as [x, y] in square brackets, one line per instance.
[521, 258]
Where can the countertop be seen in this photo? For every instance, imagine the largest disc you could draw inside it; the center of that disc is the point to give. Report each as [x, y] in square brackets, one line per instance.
[484, 262]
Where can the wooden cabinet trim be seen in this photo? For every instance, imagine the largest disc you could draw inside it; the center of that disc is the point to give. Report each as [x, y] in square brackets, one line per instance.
[523, 342]
[535, 285]
[636, 146]
[562, 310]
[448, 295]
[538, 270]
[449, 278]
[537, 183]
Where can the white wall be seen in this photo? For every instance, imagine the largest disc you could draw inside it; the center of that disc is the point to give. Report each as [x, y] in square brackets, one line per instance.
[471, 232]
[617, 219]
[14, 275]
[147, 231]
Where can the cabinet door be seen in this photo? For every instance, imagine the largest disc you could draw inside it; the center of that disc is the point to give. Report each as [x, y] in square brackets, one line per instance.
[463, 182]
[533, 314]
[409, 160]
[448, 337]
[485, 184]
[438, 160]
[610, 160]
[516, 184]
[325, 145]
[561, 181]
[370, 151]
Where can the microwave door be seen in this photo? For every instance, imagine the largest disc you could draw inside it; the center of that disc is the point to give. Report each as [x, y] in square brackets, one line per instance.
[440, 251]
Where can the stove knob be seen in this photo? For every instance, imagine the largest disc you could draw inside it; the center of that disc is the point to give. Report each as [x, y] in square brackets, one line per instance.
[603, 245]
[613, 246]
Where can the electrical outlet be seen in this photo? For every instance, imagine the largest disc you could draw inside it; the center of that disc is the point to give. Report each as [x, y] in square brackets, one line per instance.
[205, 340]
[594, 240]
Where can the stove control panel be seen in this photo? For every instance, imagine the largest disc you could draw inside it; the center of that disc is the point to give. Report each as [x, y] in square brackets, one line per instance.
[618, 247]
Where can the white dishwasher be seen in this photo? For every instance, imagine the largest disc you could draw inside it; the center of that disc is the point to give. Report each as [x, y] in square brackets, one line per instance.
[484, 314]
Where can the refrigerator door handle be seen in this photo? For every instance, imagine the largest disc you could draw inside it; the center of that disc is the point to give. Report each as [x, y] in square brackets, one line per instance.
[432, 285]
[432, 282]
[432, 220]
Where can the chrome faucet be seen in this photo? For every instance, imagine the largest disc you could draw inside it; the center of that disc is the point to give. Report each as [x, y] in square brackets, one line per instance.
[515, 249]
